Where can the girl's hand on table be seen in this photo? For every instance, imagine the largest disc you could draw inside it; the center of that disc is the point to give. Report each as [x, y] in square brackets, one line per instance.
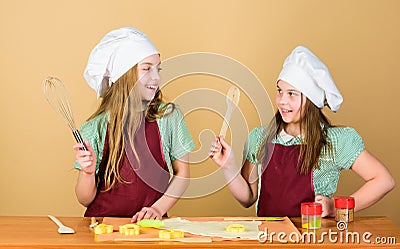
[147, 213]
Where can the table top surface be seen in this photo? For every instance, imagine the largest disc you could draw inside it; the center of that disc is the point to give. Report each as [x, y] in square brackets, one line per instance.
[41, 232]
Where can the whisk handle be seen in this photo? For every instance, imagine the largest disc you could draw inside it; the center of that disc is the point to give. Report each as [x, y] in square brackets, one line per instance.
[79, 139]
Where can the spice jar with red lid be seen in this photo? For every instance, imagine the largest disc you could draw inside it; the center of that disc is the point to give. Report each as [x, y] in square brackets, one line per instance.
[344, 206]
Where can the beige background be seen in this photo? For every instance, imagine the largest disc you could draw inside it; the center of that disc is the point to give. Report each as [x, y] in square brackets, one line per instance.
[358, 40]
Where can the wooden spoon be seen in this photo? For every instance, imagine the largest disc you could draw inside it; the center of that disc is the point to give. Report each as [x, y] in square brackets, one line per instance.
[232, 100]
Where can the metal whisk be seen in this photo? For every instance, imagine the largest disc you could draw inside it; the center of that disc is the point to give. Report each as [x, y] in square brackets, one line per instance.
[57, 96]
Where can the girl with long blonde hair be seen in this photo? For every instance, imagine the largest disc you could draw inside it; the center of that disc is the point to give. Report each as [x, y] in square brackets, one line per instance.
[136, 164]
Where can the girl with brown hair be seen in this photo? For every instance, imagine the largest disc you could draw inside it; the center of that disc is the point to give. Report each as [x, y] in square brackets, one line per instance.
[298, 157]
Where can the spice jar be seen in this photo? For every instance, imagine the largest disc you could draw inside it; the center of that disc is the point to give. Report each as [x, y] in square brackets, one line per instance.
[344, 208]
[311, 215]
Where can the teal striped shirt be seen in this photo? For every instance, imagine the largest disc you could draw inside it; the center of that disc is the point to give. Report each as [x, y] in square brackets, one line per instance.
[346, 147]
[175, 137]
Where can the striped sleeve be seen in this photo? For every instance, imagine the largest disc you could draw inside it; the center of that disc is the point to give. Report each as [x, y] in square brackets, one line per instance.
[182, 142]
[253, 143]
[176, 135]
[347, 145]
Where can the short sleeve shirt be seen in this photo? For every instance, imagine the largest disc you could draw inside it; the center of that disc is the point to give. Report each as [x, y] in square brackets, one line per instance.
[346, 144]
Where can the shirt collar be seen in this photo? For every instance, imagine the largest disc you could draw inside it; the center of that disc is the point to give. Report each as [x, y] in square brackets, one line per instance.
[287, 137]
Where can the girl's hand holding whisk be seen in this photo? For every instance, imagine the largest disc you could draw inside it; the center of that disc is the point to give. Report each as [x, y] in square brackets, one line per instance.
[86, 159]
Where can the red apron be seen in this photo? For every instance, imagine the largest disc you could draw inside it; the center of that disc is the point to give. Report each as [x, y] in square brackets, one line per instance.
[146, 182]
[283, 188]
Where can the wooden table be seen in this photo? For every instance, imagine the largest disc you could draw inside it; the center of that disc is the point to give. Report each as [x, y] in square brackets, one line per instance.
[41, 232]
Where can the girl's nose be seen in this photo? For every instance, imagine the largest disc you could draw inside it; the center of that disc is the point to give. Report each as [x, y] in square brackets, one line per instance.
[282, 99]
[154, 74]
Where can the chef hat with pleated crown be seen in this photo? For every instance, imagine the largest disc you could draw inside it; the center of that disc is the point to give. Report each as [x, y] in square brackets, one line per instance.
[116, 53]
[303, 70]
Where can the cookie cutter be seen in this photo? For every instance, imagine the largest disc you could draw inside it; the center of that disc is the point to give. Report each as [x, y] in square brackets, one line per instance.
[236, 228]
[129, 229]
[103, 229]
[171, 234]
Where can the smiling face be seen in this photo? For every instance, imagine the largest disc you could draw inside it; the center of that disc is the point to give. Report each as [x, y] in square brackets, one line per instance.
[290, 102]
[149, 76]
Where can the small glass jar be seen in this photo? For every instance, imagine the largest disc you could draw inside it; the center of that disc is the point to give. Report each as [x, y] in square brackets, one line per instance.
[311, 215]
[344, 206]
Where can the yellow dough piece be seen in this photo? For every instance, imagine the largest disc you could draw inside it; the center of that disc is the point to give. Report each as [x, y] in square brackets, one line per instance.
[103, 228]
[129, 229]
[170, 234]
[236, 228]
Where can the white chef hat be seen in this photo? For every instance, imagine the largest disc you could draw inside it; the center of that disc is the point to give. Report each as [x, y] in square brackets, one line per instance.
[303, 70]
[116, 53]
